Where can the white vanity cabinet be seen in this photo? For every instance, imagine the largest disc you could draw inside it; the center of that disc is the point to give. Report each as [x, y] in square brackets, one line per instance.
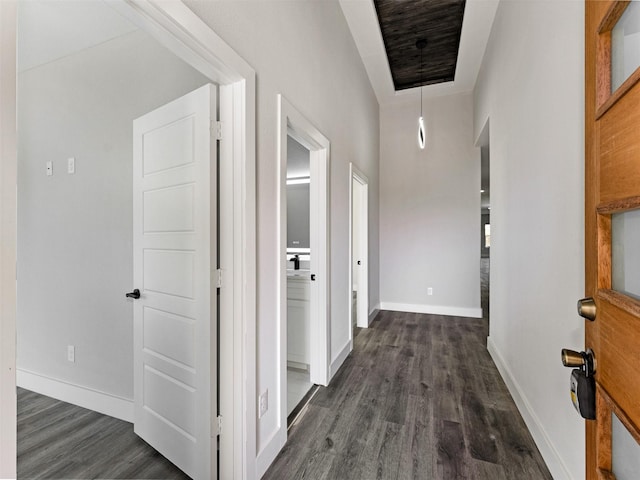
[298, 320]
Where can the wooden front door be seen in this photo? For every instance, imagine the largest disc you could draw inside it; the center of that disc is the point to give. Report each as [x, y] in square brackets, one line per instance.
[612, 243]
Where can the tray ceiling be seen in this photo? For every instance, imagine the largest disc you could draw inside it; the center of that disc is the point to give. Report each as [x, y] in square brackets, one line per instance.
[403, 22]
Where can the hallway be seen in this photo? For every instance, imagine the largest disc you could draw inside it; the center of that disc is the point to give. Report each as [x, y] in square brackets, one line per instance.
[419, 397]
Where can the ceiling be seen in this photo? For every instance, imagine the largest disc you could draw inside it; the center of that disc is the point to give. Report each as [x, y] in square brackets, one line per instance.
[362, 19]
[477, 19]
[50, 30]
[437, 23]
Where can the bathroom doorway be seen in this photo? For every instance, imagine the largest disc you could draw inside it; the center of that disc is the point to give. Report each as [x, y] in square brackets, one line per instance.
[303, 276]
[485, 224]
[298, 274]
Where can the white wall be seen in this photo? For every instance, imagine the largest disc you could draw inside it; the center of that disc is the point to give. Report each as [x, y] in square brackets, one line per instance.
[8, 402]
[75, 231]
[303, 50]
[429, 208]
[531, 89]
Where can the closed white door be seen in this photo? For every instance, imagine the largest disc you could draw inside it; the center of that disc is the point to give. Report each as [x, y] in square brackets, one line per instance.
[174, 242]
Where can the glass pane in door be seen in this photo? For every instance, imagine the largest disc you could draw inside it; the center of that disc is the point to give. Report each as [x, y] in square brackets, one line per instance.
[625, 451]
[625, 45]
[625, 246]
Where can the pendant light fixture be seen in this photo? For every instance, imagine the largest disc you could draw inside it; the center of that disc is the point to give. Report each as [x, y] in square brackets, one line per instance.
[420, 44]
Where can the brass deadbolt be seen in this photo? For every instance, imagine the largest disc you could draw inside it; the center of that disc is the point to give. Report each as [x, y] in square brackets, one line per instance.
[587, 308]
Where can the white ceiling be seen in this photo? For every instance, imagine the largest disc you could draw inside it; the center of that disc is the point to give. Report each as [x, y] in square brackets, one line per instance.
[52, 29]
[363, 23]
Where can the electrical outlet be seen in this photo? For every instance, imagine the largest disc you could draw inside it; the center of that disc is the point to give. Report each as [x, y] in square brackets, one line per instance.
[263, 403]
[71, 353]
[429, 291]
[71, 165]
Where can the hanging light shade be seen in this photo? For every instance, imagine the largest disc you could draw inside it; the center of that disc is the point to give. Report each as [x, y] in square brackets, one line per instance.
[422, 134]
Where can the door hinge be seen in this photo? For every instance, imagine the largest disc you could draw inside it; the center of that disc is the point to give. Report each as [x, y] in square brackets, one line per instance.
[217, 425]
[218, 278]
[216, 128]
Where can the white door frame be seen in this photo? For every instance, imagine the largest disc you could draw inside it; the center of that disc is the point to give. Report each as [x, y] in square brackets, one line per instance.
[292, 122]
[362, 301]
[176, 27]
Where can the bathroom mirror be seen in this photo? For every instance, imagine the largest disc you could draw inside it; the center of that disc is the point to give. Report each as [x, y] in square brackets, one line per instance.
[298, 215]
[298, 204]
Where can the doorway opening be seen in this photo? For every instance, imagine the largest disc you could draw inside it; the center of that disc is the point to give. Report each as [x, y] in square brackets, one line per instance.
[359, 251]
[194, 49]
[77, 218]
[298, 276]
[303, 307]
[485, 224]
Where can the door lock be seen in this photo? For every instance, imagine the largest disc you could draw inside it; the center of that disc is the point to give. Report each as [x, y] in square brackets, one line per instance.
[587, 308]
[582, 384]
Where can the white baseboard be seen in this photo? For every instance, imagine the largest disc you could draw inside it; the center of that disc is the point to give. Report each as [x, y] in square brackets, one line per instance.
[552, 458]
[432, 309]
[340, 358]
[268, 454]
[95, 400]
[372, 314]
[297, 365]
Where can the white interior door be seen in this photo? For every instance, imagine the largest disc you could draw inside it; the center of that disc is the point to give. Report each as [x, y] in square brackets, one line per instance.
[360, 245]
[174, 223]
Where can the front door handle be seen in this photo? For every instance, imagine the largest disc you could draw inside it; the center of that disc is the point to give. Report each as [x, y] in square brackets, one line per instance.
[587, 308]
[135, 294]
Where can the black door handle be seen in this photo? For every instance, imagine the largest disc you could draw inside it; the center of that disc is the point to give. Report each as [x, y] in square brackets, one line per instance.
[134, 294]
[359, 262]
[313, 277]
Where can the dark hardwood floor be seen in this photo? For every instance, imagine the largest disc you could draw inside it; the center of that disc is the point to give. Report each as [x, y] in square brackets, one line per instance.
[57, 440]
[418, 398]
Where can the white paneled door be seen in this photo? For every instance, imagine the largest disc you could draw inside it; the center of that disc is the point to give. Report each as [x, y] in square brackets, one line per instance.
[174, 255]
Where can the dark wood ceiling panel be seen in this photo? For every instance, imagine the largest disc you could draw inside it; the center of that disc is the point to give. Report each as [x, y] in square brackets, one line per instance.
[403, 22]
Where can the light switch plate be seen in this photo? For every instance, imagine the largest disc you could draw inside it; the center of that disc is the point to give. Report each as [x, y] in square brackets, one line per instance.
[71, 165]
[263, 404]
[49, 168]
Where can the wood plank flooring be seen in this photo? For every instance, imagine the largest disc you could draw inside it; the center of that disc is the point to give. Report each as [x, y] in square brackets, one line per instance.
[418, 398]
[57, 440]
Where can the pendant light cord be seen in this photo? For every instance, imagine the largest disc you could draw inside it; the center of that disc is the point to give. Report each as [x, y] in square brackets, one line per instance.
[421, 79]
[420, 44]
